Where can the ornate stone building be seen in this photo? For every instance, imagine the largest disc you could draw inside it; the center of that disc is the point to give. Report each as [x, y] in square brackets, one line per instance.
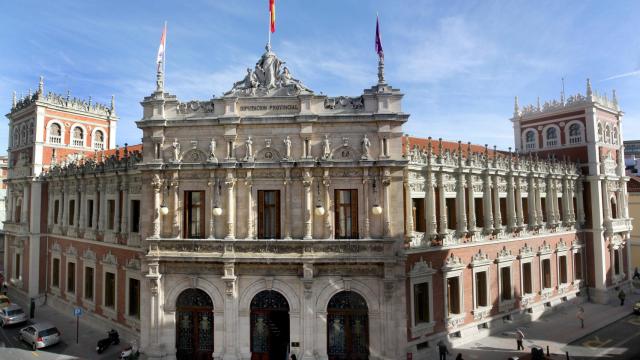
[274, 220]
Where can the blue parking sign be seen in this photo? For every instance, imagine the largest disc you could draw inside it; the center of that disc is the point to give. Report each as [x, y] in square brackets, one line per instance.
[77, 311]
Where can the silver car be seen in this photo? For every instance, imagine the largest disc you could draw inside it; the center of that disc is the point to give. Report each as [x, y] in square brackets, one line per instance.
[12, 314]
[40, 335]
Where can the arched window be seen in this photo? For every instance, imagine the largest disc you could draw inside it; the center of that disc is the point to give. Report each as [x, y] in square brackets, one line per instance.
[614, 208]
[24, 134]
[98, 140]
[552, 137]
[55, 134]
[614, 136]
[607, 134]
[78, 137]
[599, 132]
[16, 137]
[575, 133]
[530, 140]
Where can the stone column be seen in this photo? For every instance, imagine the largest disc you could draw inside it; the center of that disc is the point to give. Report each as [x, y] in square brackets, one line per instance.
[116, 217]
[82, 220]
[328, 213]
[24, 216]
[94, 219]
[231, 206]
[365, 200]
[212, 204]
[77, 212]
[533, 214]
[308, 204]
[497, 217]
[250, 221]
[408, 204]
[386, 181]
[287, 204]
[511, 204]
[519, 214]
[623, 201]
[539, 208]
[103, 206]
[605, 201]
[471, 227]
[176, 209]
[50, 201]
[155, 214]
[430, 203]
[487, 202]
[460, 208]
[443, 204]
[580, 202]
[124, 221]
[9, 205]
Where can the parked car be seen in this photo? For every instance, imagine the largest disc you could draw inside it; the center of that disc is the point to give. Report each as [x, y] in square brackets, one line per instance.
[636, 308]
[40, 335]
[4, 301]
[12, 314]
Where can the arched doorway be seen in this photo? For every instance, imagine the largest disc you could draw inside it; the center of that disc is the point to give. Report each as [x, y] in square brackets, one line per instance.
[269, 326]
[347, 327]
[194, 325]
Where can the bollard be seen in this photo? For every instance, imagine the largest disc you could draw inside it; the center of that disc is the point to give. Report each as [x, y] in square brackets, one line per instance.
[547, 350]
[32, 308]
[566, 353]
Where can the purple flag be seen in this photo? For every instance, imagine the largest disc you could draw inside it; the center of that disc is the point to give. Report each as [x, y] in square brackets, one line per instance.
[378, 42]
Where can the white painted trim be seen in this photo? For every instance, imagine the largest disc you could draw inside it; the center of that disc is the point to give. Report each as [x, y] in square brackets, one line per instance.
[84, 134]
[545, 144]
[567, 136]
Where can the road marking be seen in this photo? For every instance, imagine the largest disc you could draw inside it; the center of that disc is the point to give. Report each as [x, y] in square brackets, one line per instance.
[596, 342]
[634, 321]
[608, 350]
[35, 354]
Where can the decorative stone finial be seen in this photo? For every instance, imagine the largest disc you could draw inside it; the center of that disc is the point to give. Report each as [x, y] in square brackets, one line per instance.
[589, 91]
[380, 70]
[30, 93]
[516, 108]
[113, 104]
[538, 104]
[615, 99]
[68, 95]
[41, 85]
[89, 100]
[14, 102]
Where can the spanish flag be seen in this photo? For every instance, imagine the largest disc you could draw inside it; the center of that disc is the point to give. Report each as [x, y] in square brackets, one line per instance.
[272, 12]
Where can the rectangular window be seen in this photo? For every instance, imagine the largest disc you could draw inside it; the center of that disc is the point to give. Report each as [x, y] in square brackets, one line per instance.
[18, 210]
[18, 270]
[194, 214]
[479, 209]
[527, 286]
[55, 273]
[560, 209]
[269, 214]
[88, 283]
[616, 261]
[56, 211]
[546, 273]
[419, 220]
[421, 303]
[134, 298]
[71, 277]
[577, 263]
[481, 288]
[543, 207]
[111, 214]
[109, 290]
[89, 213]
[503, 211]
[525, 210]
[346, 214]
[451, 213]
[135, 216]
[562, 260]
[72, 211]
[505, 279]
[453, 295]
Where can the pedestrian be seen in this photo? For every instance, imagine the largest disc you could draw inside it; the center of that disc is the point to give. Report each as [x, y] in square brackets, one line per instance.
[519, 338]
[459, 357]
[580, 316]
[636, 274]
[621, 296]
[442, 350]
[293, 357]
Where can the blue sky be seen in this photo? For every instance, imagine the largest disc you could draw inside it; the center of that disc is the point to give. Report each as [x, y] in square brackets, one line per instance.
[459, 63]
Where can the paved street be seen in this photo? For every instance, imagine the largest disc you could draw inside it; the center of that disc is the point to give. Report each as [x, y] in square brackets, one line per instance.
[619, 340]
[13, 348]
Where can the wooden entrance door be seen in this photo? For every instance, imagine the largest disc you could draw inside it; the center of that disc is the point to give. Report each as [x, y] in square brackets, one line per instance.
[269, 326]
[347, 327]
[194, 325]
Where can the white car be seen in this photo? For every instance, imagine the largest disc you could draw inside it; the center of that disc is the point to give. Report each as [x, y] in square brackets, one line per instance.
[12, 314]
[40, 335]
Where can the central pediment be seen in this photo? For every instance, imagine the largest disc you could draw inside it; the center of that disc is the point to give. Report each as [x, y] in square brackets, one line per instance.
[269, 77]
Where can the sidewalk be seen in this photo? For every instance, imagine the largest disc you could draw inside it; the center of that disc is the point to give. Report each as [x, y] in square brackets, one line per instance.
[556, 330]
[66, 323]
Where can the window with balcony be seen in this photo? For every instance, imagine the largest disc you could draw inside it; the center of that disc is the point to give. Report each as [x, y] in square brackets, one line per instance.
[552, 137]
[72, 211]
[421, 303]
[525, 210]
[530, 140]
[614, 209]
[481, 289]
[71, 277]
[616, 261]
[77, 138]
[55, 273]
[419, 220]
[577, 264]
[453, 295]
[55, 134]
[543, 208]
[110, 290]
[546, 274]
[111, 214]
[479, 211]
[575, 133]
[134, 298]
[98, 140]
[346, 214]
[56, 211]
[451, 213]
[17, 271]
[562, 263]
[89, 213]
[505, 283]
[194, 214]
[268, 214]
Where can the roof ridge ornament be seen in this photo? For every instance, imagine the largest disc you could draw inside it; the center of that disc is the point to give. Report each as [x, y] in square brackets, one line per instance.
[268, 78]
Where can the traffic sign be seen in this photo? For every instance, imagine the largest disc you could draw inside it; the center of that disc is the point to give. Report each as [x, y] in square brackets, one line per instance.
[77, 311]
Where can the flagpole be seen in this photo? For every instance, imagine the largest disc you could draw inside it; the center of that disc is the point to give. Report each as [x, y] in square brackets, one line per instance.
[164, 56]
[269, 27]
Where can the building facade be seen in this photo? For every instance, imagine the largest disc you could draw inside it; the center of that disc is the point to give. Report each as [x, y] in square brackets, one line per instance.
[4, 172]
[274, 220]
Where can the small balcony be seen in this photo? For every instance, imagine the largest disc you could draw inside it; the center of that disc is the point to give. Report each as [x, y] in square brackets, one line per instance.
[77, 142]
[98, 145]
[55, 139]
[618, 225]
